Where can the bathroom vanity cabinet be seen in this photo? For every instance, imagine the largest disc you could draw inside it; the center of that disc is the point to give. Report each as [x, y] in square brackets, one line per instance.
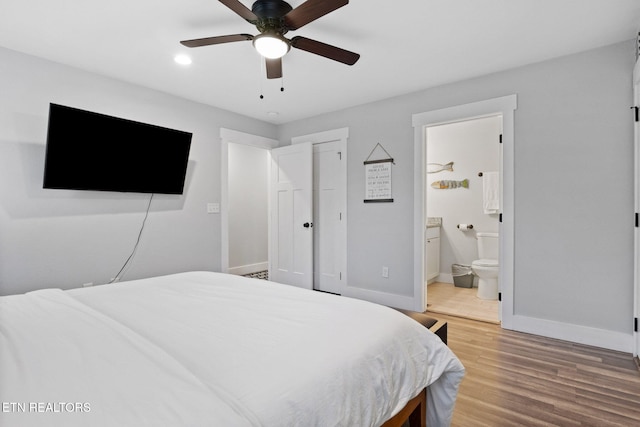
[432, 239]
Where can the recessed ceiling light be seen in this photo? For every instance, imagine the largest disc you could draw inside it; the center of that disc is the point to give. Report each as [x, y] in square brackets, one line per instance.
[182, 59]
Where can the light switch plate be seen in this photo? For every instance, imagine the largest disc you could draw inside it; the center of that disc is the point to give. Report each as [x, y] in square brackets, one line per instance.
[213, 208]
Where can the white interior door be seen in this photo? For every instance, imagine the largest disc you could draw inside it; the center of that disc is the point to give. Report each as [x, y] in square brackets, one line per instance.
[291, 243]
[329, 228]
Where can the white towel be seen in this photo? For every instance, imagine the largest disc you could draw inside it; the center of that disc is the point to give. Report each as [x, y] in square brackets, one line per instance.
[491, 192]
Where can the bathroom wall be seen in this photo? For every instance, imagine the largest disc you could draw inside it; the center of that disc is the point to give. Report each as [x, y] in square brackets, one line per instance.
[474, 147]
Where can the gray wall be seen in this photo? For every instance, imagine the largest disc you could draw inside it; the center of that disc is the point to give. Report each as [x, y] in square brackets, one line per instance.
[573, 173]
[57, 238]
[573, 185]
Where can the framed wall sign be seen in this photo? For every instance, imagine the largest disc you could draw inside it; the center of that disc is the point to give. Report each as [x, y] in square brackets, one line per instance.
[378, 178]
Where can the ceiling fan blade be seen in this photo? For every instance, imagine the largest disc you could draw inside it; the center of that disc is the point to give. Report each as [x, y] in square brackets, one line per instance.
[241, 10]
[326, 50]
[310, 11]
[216, 40]
[274, 68]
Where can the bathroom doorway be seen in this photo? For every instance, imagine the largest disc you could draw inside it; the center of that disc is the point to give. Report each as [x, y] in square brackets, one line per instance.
[505, 106]
[462, 200]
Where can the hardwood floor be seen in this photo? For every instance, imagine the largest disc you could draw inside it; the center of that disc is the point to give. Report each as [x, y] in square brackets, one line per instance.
[448, 299]
[516, 379]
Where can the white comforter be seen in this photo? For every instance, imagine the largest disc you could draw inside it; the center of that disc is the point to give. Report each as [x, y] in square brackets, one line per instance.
[209, 349]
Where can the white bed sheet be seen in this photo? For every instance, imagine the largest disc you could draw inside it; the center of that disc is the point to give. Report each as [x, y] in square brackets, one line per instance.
[64, 364]
[278, 355]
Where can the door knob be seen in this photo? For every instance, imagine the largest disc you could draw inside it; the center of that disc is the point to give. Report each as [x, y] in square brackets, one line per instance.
[307, 224]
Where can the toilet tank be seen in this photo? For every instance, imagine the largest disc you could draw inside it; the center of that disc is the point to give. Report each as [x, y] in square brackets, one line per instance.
[487, 245]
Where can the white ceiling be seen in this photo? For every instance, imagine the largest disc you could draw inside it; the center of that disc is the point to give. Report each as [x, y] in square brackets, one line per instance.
[405, 46]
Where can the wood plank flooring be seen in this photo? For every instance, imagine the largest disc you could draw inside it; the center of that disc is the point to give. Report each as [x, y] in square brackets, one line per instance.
[517, 379]
[448, 299]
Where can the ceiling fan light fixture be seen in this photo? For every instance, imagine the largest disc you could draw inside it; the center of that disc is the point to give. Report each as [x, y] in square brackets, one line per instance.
[271, 45]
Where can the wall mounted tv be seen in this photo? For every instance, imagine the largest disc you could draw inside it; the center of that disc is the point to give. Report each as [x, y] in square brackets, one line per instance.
[91, 151]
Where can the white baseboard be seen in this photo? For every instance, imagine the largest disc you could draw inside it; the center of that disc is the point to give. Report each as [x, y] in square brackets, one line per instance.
[575, 333]
[444, 278]
[249, 268]
[612, 340]
[383, 298]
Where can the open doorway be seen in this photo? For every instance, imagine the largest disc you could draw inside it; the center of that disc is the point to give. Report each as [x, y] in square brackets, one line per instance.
[244, 202]
[462, 208]
[248, 207]
[505, 107]
[247, 214]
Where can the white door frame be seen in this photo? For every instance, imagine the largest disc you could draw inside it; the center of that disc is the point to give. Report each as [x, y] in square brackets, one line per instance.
[228, 136]
[341, 135]
[504, 106]
[636, 258]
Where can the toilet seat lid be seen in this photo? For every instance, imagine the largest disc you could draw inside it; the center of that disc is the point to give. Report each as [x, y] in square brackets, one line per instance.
[485, 262]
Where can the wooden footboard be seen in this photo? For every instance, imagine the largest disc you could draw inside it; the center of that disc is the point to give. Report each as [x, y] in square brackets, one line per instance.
[438, 327]
[415, 411]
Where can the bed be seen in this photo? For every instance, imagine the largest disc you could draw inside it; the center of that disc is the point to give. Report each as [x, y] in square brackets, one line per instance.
[211, 349]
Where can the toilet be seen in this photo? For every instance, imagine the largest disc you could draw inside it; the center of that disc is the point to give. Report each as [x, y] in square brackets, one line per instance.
[486, 268]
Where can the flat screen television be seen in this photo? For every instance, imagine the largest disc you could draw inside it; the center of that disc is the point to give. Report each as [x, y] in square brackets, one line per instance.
[92, 151]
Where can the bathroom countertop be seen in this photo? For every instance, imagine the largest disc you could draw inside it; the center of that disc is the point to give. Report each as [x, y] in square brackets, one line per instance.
[434, 221]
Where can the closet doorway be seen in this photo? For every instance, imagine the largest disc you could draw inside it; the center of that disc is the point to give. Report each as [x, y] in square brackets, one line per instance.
[244, 202]
[328, 204]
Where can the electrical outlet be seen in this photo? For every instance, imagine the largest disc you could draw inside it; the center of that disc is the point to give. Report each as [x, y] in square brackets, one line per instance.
[385, 272]
[213, 208]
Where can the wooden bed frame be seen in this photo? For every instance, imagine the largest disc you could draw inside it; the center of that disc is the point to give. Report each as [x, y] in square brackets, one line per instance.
[415, 411]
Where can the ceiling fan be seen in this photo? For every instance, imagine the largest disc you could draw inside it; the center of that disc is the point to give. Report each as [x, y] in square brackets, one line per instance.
[274, 18]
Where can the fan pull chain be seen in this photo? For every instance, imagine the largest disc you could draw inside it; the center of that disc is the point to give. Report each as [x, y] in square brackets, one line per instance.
[263, 70]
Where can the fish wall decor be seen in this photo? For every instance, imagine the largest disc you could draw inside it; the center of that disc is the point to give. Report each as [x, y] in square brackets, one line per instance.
[437, 167]
[447, 184]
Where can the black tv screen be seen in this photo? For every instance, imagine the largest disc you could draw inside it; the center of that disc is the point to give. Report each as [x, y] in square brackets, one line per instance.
[91, 151]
